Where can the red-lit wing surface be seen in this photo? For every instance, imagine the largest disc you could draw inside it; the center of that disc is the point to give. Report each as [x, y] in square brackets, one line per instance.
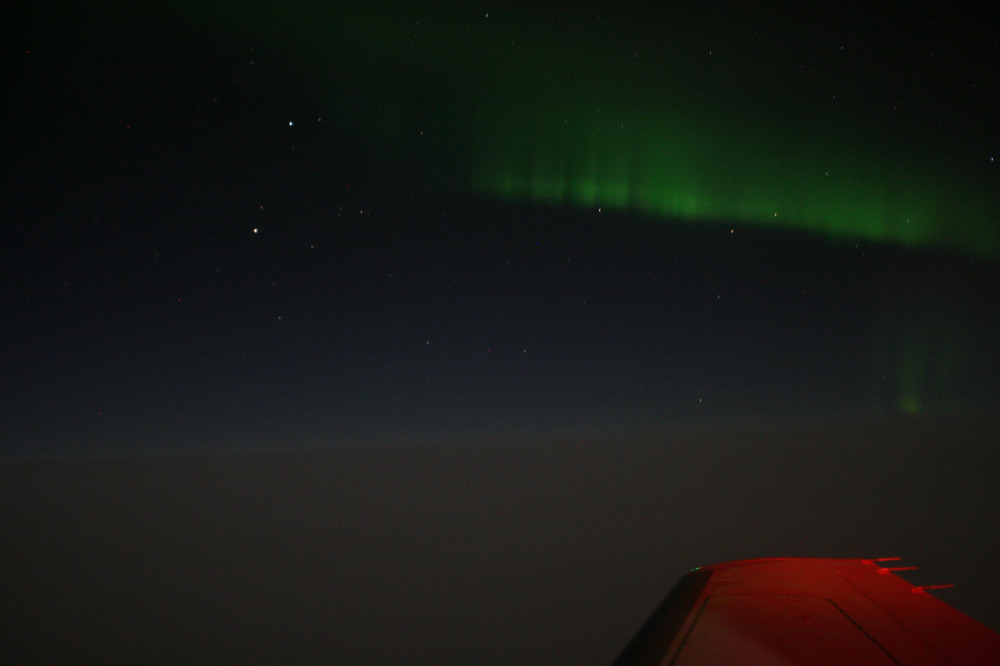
[806, 611]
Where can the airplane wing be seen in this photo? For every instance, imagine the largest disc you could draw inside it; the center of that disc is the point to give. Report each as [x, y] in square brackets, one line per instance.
[806, 611]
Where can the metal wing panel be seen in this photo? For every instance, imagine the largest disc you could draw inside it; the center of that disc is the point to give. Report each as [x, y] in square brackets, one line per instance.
[807, 611]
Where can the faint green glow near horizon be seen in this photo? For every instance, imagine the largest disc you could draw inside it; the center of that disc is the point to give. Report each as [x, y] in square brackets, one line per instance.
[924, 348]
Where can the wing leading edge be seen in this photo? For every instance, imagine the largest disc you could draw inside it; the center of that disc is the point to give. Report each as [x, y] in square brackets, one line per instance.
[806, 611]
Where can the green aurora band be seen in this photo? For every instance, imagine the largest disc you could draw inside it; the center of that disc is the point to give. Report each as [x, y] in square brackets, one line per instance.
[711, 127]
[682, 168]
[708, 127]
[667, 147]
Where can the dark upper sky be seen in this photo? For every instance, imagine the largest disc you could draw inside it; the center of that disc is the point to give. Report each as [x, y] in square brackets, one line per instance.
[233, 225]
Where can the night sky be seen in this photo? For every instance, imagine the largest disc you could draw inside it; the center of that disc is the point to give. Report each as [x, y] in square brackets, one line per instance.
[228, 224]
[389, 234]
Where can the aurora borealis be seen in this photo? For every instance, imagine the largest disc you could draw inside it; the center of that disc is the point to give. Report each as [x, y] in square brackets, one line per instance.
[537, 139]
[683, 169]
[703, 123]
[718, 117]
[529, 141]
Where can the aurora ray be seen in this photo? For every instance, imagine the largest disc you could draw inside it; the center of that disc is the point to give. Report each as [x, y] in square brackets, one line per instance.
[712, 126]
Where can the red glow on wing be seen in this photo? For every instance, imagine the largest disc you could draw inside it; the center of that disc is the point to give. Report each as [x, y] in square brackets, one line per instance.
[924, 588]
[808, 611]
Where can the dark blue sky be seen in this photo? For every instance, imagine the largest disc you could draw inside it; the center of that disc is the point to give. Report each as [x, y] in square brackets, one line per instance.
[226, 227]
